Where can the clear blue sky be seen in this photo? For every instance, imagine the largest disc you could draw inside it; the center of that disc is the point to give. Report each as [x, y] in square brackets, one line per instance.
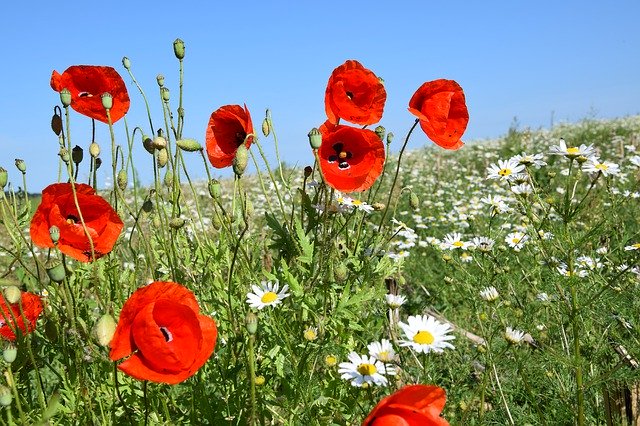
[530, 60]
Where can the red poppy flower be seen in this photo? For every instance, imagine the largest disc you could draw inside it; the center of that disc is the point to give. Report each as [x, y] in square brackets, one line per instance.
[12, 316]
[163, 334]
[58, 208]
[351, 159]
[413, 405]
[87, 83]
[228, 127]
[441, 108]
[354, 94]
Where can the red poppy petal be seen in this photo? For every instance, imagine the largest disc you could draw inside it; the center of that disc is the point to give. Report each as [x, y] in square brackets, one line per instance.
[427, 400]
[12, 316]
[226, 126]
[404, 416]
[137, 367]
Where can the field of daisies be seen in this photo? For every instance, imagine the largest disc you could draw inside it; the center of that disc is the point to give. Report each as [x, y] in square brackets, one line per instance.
[461, 283]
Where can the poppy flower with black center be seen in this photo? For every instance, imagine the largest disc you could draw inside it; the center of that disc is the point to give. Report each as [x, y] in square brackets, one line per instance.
[413, 405]
[87, 83]
[228, 128]
[351, 159]
[58, 208]
[22, 314]
[354, 94]
[163, 334]
[440, 106]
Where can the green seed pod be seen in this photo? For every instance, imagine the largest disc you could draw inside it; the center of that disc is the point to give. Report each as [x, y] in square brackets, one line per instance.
[4, 177]
[168, 178]
[166, 94]
[389, 138]
[65, 97]
[189, 145]
[178, 48]
[64, 155]
[107, 100]
[56, 124]
[10, 353]
[176, 223]
[380, 131]
[77, 154]
[54, 233]
[240, 160]
[104, 330]
[163, 158]
[122, 179]
[21, 165]
[12, 294]
[126, 63]
[55, 270]
[159, 142]
[414, 202]
[265, 128]
[214, 189]
[340, 273]
[94, 149]
[160, 80]
[251, 321]
[315, 138]
[5, 396]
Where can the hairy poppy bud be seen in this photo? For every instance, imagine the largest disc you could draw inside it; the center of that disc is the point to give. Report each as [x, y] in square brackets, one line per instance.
[147, 142]
[176, 223]
[178, 48]
[414, 202]
[147, 206]
[5, 396]
[12, 294]
[107, 100]
[64, 155]
[98, 163]
[94, 149]
[122, 179]
[180, 112]
[105, 328]
[65, 97]
[4, 177]
[240, 160]
[189, 145]
[55, 270]
[216, 222]
[54, 233]
[168, 178]
[251, 321]
[389, 138]
[315, 138]
[163, 158]
[265, 128]
[9, 353]
[77, 154]
[159, 142]
[248, 208]
[160, 80]
[56, 124]
[126, 63]
[21, 165]
[166, 94]
[340, 272]
[380, 131]
[307, 171]
[214, 189]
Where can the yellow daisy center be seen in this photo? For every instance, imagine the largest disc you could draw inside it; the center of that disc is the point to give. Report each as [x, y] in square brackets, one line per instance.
[504, 172]
[573, 150]
[515, 240]
[601, 166]
[423, 337]
[384, 356]
[458, 244]
[268, 297]
[367, 369]
[636, 245]
[356, 202]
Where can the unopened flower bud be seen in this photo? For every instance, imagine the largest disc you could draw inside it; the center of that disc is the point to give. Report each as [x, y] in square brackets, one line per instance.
[94, 149]
[216, 221]
[315, 138]
[56, 124]
[21, 165]
[4, 177]
[12, 294]
[147, 206]
[551, 174]
[159, 142]
[5, 396]
[77, 154]
[54, 233]
[189, 145]
[308, 170]
[176, 223]
[126, 63]
[214, 189]
[240, 160]
[10, 353]
[163, 158]
[380, 131]
[448, 280]
[581, 159]
[166, 94]
[147, 142]
[251, 321]
[180, 112]
[378, 206]
[98, 163]
[65, 97]
[414, 202]
[122, 179]
[105, 328]
[447, 258]
[168, 178]
[160, 80]
[340, 272]
[55, 270]
[107, 100]
[178, 48]
[389, 138]
[330, 360]
[64, 155]
[265, 127]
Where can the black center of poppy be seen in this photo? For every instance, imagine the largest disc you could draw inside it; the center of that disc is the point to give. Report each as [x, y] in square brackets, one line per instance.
[240, 137]
[84, 95]
[167, 334]
[349, 94]
[71, 219]
[341, 156]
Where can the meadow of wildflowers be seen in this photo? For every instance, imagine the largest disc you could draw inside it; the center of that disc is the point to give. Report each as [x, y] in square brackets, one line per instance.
[488, 283]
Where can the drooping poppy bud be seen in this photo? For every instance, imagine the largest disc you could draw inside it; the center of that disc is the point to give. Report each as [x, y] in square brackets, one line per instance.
[12, 294]
[265, 128]
[240, 160]
[56, 124]
[214, 189]
[105, 328]
[163, 158]
[189, 145]
[122, 179]
[77, 154]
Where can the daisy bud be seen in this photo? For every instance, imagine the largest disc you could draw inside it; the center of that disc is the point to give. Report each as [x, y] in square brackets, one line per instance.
[259, 380]
[56, 124]
[378, 206]
[307, 171]
[330, 360]
[189, 145]
[447, 258]
[147, 142]
[126, 63]
[414, 202]
[5, 396]
[214, 189]
[163, 158]
[21, 165]
[54, 233]
[389, 138]
[265, 127]
[64, 155]
[240, 160]
[168, 179]
[105, 328]
[94, 150]
[551, 174]
[340, 272]
[4, 177]
[380, 131]
[12, 294]
[107, 100]
[176, 223]
[166, 94]
[9, 353]
[65, 97]
[315, 138]
[160, 80]
[178, 48]
[122, 179]
[77, 154]
[159, 142]
[251, 321]
[581, 159]
[55, 270]
[310, 334]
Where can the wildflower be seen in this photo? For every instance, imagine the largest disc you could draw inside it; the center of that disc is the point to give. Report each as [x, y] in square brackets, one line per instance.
[543, 297]
[631, 247]
[466, 258]
[351, 159]
[635, 160]
[505, 170]
[398, 256]
[330, 360]
[513, 336]
[355, 94]
[58, 208]
[394, 301]
[362, 206]
[489, 294]
[565, 272]
[311, 333]
[440, 106]
[516, 240]
[483, 244]
[454, 241]
[163, 334]
[267, 294]
[382, 350]
[363, 369]
[426, 334]
[607, 168]
[228, 128]
[412, 405]
[526, 160]
[573, 151]
[86, 84]
[522, 189]
[27, 307]
[343, 200]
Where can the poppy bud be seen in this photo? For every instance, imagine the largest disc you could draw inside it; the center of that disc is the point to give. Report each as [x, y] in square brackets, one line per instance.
[10, 353]
[12, 294]
[189, 145]
[378, 206]
[166, 95]
[21, 165]
[214, 189]
[160, 80]
[147, 206]
[168, 178]
[65, 97]
[380, 131]
[240, 160]
[176, 223]
[94, 149]
[122, 179]
[265, 127]
[55, 270]
[77, 154]
[248, 208]
[4, 177]
[105, 328]
[159, 142]
[307, 171]
[107, 100]
[315, 138]
[64, 155]
[156, 222]
[126, 63]
[56, 124]
[98, 163]
[180, 112]
[340, 272]
[178, 48]
[147, 142]
[5, 396]
[389, 138]
[251, 321]
[414, 202]
[54, 233]
[216, 222]
[163, 158]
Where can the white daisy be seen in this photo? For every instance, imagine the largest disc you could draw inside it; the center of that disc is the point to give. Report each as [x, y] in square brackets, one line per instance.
[266, 294]
[635, 246]
[635, 160]
[363, 369]
[563, 270]
[310, 333]
[516, 240]
[573, 151]
[426, 334]
[454, 241]
[513, 336]
[483, 244]
[489, 294]
[522, 189]
[607, 168]
[535, 160]
[394, 301]
[382, 350]
[466, 258]
[497, 204]
[505, 170]
[361, 205]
